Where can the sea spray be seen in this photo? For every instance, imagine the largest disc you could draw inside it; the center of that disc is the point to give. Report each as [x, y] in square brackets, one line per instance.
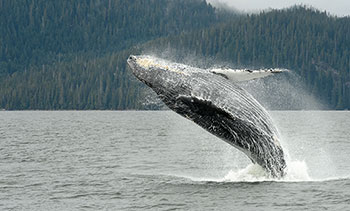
[297, 171]
[283, 92]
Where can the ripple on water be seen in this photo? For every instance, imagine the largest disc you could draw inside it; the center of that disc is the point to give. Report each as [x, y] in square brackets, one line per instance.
[159, 161]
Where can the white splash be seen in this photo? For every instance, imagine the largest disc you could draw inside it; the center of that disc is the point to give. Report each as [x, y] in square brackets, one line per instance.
[297, 171]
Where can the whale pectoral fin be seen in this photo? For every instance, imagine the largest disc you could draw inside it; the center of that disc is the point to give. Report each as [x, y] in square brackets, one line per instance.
[245, 74]
[221, 74]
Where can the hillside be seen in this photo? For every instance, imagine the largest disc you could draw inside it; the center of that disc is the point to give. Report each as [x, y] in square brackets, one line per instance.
[312, 44]
[69, 54]
[72, 54]
[38, 31]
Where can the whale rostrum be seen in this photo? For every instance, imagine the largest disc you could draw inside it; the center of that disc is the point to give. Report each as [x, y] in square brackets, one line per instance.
[216, 103]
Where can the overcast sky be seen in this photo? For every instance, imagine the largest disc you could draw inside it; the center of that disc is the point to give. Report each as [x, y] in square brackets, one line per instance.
[334, 7]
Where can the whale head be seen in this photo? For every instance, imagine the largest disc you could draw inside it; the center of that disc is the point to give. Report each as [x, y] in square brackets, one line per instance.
[168, 80]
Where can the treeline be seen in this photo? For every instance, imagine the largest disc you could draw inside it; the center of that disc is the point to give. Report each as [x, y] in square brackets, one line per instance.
[72, 54]
[99, 83]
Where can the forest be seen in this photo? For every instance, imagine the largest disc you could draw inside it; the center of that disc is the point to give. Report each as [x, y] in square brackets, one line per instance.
[72, 54]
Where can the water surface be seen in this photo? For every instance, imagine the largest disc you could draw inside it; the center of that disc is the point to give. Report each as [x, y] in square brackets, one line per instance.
[138, 160]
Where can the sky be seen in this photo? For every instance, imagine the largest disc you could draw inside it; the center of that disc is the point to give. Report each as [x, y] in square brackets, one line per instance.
[339, 8]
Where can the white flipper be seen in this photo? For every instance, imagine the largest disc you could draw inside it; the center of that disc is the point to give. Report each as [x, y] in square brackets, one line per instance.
[238, 75]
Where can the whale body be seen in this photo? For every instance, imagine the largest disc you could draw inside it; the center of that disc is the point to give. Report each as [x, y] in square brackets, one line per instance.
[216, 104]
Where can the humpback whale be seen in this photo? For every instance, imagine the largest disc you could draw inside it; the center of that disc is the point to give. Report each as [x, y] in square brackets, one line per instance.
[210, 99]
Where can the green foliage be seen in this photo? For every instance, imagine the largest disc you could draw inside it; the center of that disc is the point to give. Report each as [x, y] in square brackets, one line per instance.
[99, 83]
[72, 54]
[35, 32]
[304, 40]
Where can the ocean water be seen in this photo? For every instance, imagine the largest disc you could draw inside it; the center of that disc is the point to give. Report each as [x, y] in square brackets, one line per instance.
[157, 160]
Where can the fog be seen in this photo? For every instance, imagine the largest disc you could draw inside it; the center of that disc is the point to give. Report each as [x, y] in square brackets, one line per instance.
[339, 8]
